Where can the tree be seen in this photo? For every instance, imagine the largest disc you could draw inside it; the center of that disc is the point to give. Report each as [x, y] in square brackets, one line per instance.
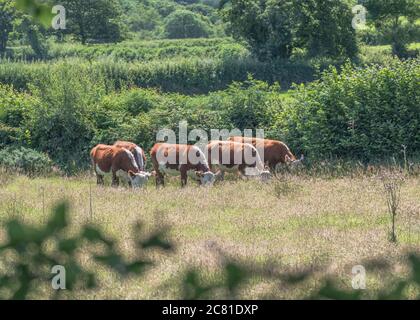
[326, 28]
[7, 13]
[34, 33]
[186, 24]
[266, 25]
[94, 20]
[392, 17]
[273, 28]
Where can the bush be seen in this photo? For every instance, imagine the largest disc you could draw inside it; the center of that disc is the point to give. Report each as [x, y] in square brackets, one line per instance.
[14, 110]
[25, 160]
[191, 75]
[358, 113]
[186, 24]
[62, 126]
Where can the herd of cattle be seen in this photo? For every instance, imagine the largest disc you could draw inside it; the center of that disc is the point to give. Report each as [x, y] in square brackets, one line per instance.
[127, 161]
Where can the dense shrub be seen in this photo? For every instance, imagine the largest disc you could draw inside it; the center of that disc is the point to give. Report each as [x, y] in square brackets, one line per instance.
[25, 160]
[138, 114]
[62, 125]
[14, 110]
[183, 75]
[357, 113]
[144, 50]
[182, 24]
[352, 113]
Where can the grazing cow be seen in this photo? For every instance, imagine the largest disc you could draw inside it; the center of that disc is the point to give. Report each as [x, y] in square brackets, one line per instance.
[186, 160]
[275, 152]
[137, 152]
[120, 163]
[243, 158]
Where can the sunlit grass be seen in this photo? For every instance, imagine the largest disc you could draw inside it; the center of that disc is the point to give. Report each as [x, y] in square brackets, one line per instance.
[334, 223]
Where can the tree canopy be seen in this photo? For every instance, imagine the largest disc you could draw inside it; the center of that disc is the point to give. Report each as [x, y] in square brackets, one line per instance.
[396, 19]
[274, 28]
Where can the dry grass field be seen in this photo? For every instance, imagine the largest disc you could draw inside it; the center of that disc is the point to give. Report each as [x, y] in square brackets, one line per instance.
[327, 225]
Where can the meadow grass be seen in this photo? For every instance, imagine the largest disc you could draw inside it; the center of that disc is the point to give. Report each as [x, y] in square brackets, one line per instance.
[328, 225]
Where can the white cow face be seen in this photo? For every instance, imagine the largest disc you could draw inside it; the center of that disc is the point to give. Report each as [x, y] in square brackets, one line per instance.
[295, 163]
[139, 180]
[206, 178]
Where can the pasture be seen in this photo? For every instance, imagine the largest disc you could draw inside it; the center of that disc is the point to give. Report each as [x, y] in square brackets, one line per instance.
[294, 222]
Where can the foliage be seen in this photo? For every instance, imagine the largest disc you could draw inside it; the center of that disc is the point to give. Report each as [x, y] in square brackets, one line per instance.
[94, 20]
[7, 11]
[276, 28]
[14, 111]
[185, 24]
[267, 26]
[357, 113]
[32, 252]
[178, 74]
[67, 96]
[388, 18]
[364, 114]
[326, 28]
[25, 161]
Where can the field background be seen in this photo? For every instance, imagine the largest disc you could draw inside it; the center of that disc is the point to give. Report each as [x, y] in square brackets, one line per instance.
[328, 225]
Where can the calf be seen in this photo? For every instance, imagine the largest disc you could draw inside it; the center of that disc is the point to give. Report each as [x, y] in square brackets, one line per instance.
[275, 152]
[137, 152]
[120, 163]
[186, 160]
[243, 158]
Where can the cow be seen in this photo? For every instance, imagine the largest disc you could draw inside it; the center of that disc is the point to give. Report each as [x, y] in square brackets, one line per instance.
[275, 152]
[180, 159]
[137, 152]
[242, 158]
[120, 163]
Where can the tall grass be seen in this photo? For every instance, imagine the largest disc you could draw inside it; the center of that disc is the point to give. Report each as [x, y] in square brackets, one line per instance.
[184, 75]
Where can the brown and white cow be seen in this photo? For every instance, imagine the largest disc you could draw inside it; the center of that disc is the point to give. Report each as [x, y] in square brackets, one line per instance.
[120, 163]
[236, 157]
[275, 152]
[137, 152]
[180, 159]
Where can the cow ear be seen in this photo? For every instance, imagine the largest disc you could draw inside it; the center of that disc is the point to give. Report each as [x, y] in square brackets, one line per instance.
[287, 159]
[131, 174]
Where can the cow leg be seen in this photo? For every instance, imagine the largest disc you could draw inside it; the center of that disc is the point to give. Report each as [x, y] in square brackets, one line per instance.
[115, 180]
[273, 166]
[99, 179]
[160, 180]
[184, 178]
[222, 175]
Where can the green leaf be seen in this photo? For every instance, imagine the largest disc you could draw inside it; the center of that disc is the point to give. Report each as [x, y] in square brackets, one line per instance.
[157, 240]
[137, 267]
[235, 276]
[94, 235]
[40, 12]
[59, 219]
